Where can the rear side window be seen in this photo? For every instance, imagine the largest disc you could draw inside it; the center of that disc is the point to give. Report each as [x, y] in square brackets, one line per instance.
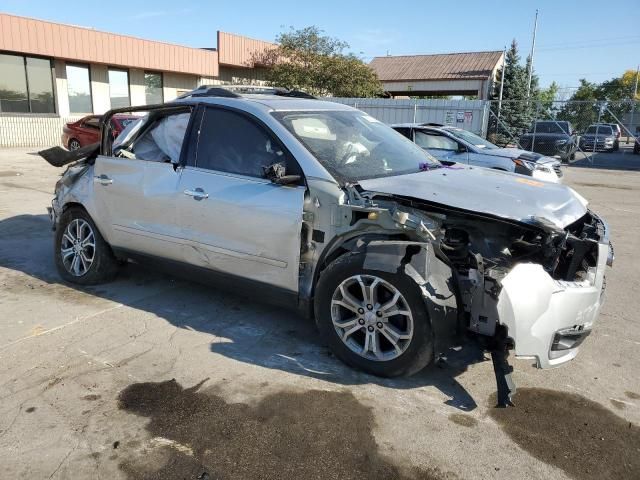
[231, 142]
[435, 141]
[92, 122]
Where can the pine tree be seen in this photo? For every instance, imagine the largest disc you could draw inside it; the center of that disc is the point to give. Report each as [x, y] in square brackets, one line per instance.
[517, 110]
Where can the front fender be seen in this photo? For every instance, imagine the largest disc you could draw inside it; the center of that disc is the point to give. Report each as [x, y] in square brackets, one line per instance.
[433, 276]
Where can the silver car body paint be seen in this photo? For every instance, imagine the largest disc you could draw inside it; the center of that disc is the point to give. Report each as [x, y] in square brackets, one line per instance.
[144, 209]
[495, 158]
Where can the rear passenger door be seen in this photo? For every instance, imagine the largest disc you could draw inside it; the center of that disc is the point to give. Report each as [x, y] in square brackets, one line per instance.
[233, 219]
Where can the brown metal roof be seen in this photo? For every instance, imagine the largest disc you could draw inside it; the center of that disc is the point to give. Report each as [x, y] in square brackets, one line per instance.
[445, 66]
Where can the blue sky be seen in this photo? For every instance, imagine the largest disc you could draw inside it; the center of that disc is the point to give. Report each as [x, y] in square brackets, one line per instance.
[596, 40]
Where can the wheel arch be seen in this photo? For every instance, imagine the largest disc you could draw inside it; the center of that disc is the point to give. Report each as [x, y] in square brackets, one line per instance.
[76, 204]
[423, 262]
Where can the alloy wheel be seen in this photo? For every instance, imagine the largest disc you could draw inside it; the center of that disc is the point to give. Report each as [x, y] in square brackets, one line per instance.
[372, 317]
[78, 247]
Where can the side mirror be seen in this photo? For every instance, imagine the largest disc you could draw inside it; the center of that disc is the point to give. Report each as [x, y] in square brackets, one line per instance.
[277, 174]
[287, 180]
[461, 148]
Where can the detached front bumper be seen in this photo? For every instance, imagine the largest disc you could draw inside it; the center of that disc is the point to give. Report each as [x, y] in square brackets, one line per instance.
[548, 319]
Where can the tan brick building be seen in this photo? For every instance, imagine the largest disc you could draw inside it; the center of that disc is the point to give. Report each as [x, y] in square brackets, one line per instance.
[52, 73]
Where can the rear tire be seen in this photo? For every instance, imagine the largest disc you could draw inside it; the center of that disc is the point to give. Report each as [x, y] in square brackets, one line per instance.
[410, 328]
[82, 256]
[74, 145]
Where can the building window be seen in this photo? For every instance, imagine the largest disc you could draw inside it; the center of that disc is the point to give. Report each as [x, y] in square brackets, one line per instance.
[153, 88]
[119, 88]
[79, 89]
[40, 85]
[26, 85]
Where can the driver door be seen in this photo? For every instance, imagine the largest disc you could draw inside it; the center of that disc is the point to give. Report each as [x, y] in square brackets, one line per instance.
[233, 219]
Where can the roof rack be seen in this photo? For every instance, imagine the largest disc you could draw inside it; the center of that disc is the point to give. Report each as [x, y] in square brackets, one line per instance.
[209, 91]
[264, 90]
[431, 124]
[236, 91]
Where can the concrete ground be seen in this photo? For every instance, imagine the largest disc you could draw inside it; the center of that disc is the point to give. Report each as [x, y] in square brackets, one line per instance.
[153, 377]
[623, 159]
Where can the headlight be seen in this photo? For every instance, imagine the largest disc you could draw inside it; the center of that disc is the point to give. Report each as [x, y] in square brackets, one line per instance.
[530, 166]
[608, 139]
[524, 163]
[560, 142]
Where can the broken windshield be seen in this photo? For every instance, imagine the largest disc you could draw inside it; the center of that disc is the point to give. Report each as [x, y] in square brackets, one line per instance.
[355, 146]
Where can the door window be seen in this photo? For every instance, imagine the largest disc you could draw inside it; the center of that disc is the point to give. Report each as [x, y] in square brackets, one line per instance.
[231, 142]
[157, 137]
[435, 141]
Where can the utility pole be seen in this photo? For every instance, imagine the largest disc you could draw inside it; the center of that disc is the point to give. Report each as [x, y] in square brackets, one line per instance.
[533, 48]
[504, 57]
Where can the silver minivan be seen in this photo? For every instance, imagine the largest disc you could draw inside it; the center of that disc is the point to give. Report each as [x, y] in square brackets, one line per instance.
[450, 144]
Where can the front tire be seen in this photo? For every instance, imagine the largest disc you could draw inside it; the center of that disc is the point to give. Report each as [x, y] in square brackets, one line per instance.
[82, 256]
[372, 320]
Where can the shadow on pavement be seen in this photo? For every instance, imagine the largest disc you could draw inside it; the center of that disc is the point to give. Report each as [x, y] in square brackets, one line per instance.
[243, 329]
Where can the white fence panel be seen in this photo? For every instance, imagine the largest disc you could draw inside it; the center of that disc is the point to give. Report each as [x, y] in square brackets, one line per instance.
[472, 115]
[31, 130]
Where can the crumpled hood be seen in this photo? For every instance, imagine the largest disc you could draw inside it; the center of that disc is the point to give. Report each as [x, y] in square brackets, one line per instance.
[517, 153]
[481, 190]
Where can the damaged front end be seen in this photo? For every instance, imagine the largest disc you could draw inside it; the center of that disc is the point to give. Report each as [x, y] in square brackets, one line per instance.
[530, 287]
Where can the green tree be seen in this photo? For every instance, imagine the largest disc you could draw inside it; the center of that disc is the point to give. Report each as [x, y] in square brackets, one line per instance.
[517, 109]
[581, 109]
[547, 97]
[315, 63]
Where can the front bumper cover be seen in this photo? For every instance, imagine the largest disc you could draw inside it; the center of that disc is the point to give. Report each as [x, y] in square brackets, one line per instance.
[548, 319]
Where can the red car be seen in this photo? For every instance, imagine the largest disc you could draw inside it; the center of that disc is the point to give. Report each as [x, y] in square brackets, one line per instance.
[87, 130]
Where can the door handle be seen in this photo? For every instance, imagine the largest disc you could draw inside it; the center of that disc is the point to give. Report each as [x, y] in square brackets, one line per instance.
[103, 179]
[197, 193]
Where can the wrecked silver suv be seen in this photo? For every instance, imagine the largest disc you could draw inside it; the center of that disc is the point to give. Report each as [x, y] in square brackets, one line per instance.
[321, 206]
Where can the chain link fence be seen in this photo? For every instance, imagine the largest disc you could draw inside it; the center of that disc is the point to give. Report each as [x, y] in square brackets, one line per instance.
[589, 133]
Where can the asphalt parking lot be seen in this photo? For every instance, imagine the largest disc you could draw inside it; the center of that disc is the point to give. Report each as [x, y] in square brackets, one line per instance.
[155, 377]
